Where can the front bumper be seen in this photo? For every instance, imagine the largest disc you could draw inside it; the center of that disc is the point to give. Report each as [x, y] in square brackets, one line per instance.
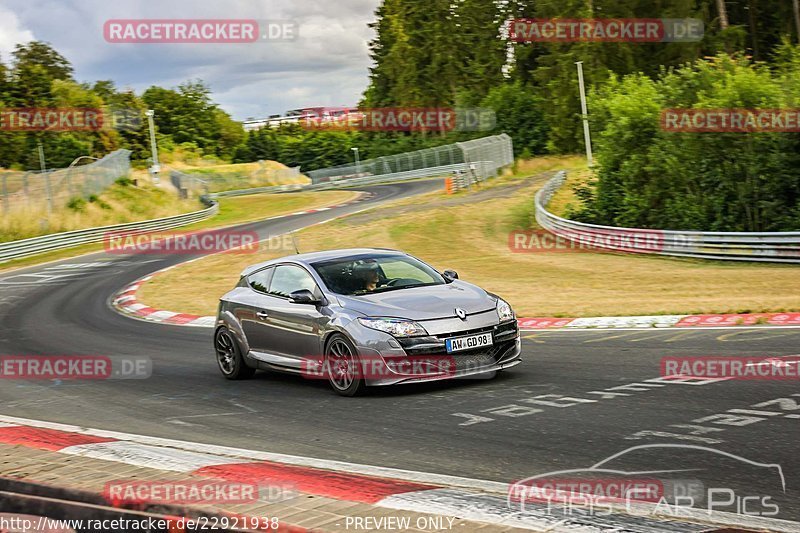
[482, 362]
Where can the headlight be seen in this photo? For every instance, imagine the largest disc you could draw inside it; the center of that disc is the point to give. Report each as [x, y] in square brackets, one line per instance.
[394, 326]
[504, 310]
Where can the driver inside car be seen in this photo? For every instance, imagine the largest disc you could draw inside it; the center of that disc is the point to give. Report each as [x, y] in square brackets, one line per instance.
[369, 277]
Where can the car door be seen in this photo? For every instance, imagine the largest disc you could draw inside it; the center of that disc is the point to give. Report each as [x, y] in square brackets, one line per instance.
[293, 330]
[254, 308]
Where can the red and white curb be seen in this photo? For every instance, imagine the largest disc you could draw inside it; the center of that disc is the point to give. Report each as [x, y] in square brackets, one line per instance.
[126, 301]
[664, 321]
[465, 498]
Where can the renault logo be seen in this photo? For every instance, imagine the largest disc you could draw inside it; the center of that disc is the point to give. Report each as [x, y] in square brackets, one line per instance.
[460, 313]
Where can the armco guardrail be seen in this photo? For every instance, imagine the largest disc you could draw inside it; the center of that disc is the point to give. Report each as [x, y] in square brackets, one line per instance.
[478, 159]
[56, 241]
[390, 178]
[777, 247]
[350, 182]
[481, 158]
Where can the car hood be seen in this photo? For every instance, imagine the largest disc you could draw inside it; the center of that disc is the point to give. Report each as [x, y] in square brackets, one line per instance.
[422, 303]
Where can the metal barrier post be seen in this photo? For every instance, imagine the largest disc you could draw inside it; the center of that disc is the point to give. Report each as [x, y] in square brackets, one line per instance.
[49, 193]
[5, 194]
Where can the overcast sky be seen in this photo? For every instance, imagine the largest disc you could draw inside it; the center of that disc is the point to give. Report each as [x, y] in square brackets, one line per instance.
[326, 66]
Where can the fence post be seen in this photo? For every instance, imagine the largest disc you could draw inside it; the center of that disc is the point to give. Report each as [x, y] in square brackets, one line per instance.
[49, 192]
[68, 179]
[5, 194]
[25, 189]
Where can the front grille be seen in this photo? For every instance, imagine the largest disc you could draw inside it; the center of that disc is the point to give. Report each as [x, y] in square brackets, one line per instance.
[473, 361]
[503, 339]
[444, 336]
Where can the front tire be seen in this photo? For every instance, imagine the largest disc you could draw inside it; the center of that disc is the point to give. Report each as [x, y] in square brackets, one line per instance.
[344, 366]
[229, 356]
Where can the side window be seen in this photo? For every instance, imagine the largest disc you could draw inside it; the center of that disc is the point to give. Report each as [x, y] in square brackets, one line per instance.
[289, 278]
[260, 280]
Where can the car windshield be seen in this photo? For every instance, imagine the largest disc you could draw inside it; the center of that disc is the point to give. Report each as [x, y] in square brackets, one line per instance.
[366, 275]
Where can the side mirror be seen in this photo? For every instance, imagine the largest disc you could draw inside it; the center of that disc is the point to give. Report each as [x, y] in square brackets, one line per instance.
[450, 275]
[304, 296]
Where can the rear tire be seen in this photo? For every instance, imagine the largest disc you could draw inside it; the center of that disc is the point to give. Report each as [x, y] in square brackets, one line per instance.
[343, 366]
[229, 356]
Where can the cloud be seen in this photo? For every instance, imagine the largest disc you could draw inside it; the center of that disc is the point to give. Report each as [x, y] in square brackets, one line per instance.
[11, 32]
[326, 65]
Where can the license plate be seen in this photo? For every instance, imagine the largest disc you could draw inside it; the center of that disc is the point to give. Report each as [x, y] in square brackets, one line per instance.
[469, 342]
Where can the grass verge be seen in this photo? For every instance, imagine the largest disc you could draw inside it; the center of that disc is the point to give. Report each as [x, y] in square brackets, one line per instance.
[245, 175]
[120, 203]
[469, 233]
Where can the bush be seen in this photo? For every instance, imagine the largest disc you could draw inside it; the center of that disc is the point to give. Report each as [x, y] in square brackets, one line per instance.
[77, 204]
[94, 199]
[652, 178]
[518, 111]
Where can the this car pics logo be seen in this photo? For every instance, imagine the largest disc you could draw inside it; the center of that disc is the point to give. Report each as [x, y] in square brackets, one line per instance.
[664, 479]
[460, 313]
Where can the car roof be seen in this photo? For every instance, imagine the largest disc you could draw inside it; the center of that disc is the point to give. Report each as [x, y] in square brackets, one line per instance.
[310, 258]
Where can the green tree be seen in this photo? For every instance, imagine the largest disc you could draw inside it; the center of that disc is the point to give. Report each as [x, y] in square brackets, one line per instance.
[5, 85]
[35, 66]
[519, 113]
[230, 134]
[652, 178]
[188, 115]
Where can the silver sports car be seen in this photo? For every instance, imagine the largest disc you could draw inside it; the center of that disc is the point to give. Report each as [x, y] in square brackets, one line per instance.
[362, 317]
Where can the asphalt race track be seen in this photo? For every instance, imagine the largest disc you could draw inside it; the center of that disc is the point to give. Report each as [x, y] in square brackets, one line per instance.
[578, 397]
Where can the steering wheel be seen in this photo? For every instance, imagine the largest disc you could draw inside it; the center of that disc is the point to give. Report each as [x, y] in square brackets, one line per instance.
[400, 281]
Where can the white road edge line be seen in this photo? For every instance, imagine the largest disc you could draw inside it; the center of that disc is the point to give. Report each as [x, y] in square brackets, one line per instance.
[446, 481]
[651, 328]
[239, 453]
